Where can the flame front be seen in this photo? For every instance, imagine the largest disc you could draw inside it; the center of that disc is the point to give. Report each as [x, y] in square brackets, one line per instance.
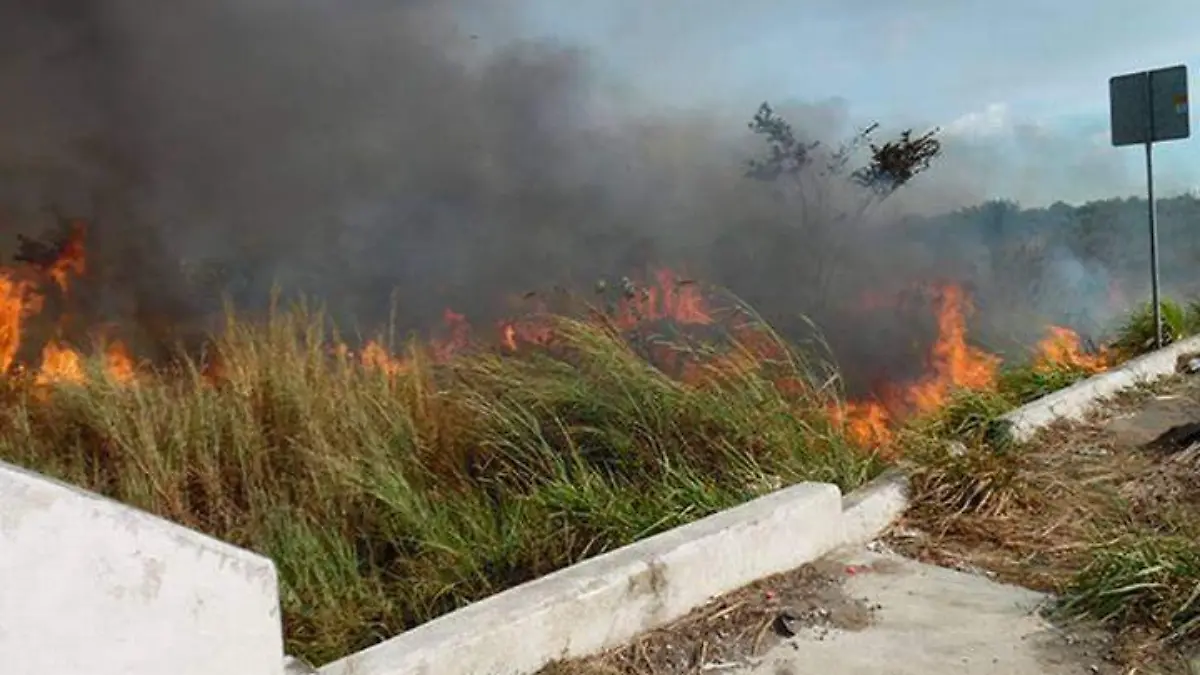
[1062, 347]
[954, 364]
[21, 298]
[16, 304]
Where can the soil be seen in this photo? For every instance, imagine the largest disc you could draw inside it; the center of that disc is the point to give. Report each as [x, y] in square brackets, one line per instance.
[732, 631]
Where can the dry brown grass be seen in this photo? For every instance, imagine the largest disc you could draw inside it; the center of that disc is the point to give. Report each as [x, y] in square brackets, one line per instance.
[734, 628]
[1075, 513]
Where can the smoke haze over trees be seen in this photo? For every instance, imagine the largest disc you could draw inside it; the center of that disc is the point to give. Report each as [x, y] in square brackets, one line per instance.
[373, 152]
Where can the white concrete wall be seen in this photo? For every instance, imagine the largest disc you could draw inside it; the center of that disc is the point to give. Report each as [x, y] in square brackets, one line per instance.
[90, 586]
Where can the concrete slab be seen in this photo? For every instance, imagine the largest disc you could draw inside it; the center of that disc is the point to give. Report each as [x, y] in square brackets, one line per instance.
[605, 601]
[88, 585]
[929, 620]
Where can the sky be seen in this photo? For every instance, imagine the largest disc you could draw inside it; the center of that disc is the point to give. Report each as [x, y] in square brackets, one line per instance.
[1020, 86]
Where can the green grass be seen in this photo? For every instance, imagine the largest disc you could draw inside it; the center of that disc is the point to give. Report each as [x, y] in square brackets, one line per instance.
[1136, 334]
[1145, 579]
[387, 500]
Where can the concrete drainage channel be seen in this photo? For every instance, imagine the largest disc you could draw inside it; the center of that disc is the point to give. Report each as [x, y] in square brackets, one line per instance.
[196, 606]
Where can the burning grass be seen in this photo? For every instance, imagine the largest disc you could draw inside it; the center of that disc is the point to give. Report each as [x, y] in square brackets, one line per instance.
[390, 496]
[397, 482]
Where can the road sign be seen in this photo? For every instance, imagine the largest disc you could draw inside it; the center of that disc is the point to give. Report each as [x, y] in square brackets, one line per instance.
[1149, 106]
[1146, 108]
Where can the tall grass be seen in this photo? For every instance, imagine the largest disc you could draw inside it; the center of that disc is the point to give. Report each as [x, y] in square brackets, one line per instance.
[1136, 335]
[1146, 578]
[388, 499]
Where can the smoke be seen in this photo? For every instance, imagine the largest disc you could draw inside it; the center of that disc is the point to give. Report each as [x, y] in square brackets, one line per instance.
[374, 150]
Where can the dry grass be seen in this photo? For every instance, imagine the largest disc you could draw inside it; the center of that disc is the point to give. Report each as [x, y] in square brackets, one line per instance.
[1111, 529]
[736, 628]
[388, 499]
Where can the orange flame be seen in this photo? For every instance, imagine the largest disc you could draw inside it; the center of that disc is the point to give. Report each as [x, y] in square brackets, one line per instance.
[375, 356]
[1062, 347]
[71, 258]
[671, 298]
[60, 363]
[118, 363]
[954, 364]
[16, 304]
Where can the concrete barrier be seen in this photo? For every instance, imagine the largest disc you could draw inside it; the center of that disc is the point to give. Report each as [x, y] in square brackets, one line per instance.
[605, 601]
[1075, 401]
[88, 585]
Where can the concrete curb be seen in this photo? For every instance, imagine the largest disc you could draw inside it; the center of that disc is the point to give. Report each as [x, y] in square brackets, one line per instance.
[869, 510]
[1075, 401]
[605, 601]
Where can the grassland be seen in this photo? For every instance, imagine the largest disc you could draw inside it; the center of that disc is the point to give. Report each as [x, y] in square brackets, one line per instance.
[390, 495]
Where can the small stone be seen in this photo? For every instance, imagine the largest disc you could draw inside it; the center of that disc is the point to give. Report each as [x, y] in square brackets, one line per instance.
[783, 625]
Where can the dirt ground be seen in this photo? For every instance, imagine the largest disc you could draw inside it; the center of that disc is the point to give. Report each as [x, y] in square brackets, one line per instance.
[734, 629]
[863, 611]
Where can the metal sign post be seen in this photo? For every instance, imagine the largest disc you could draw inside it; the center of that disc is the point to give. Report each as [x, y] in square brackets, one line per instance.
[1146, 108]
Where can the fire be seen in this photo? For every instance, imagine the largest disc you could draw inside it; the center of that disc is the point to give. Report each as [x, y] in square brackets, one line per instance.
[458, 339]
[118, 363]
[530, 331]
[671, 298]
[375, 356]
[867, 423]
[71, 259]
[21, 298]
[16, 304]
[1062, 347]
[954, 365]
[60, 364]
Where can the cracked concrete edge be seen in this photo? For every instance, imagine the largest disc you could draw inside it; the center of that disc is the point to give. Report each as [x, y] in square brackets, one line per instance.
[1075, 401]
[605, 601]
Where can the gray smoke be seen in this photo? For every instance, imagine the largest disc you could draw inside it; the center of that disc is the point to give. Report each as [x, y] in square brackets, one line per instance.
[356, 150]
